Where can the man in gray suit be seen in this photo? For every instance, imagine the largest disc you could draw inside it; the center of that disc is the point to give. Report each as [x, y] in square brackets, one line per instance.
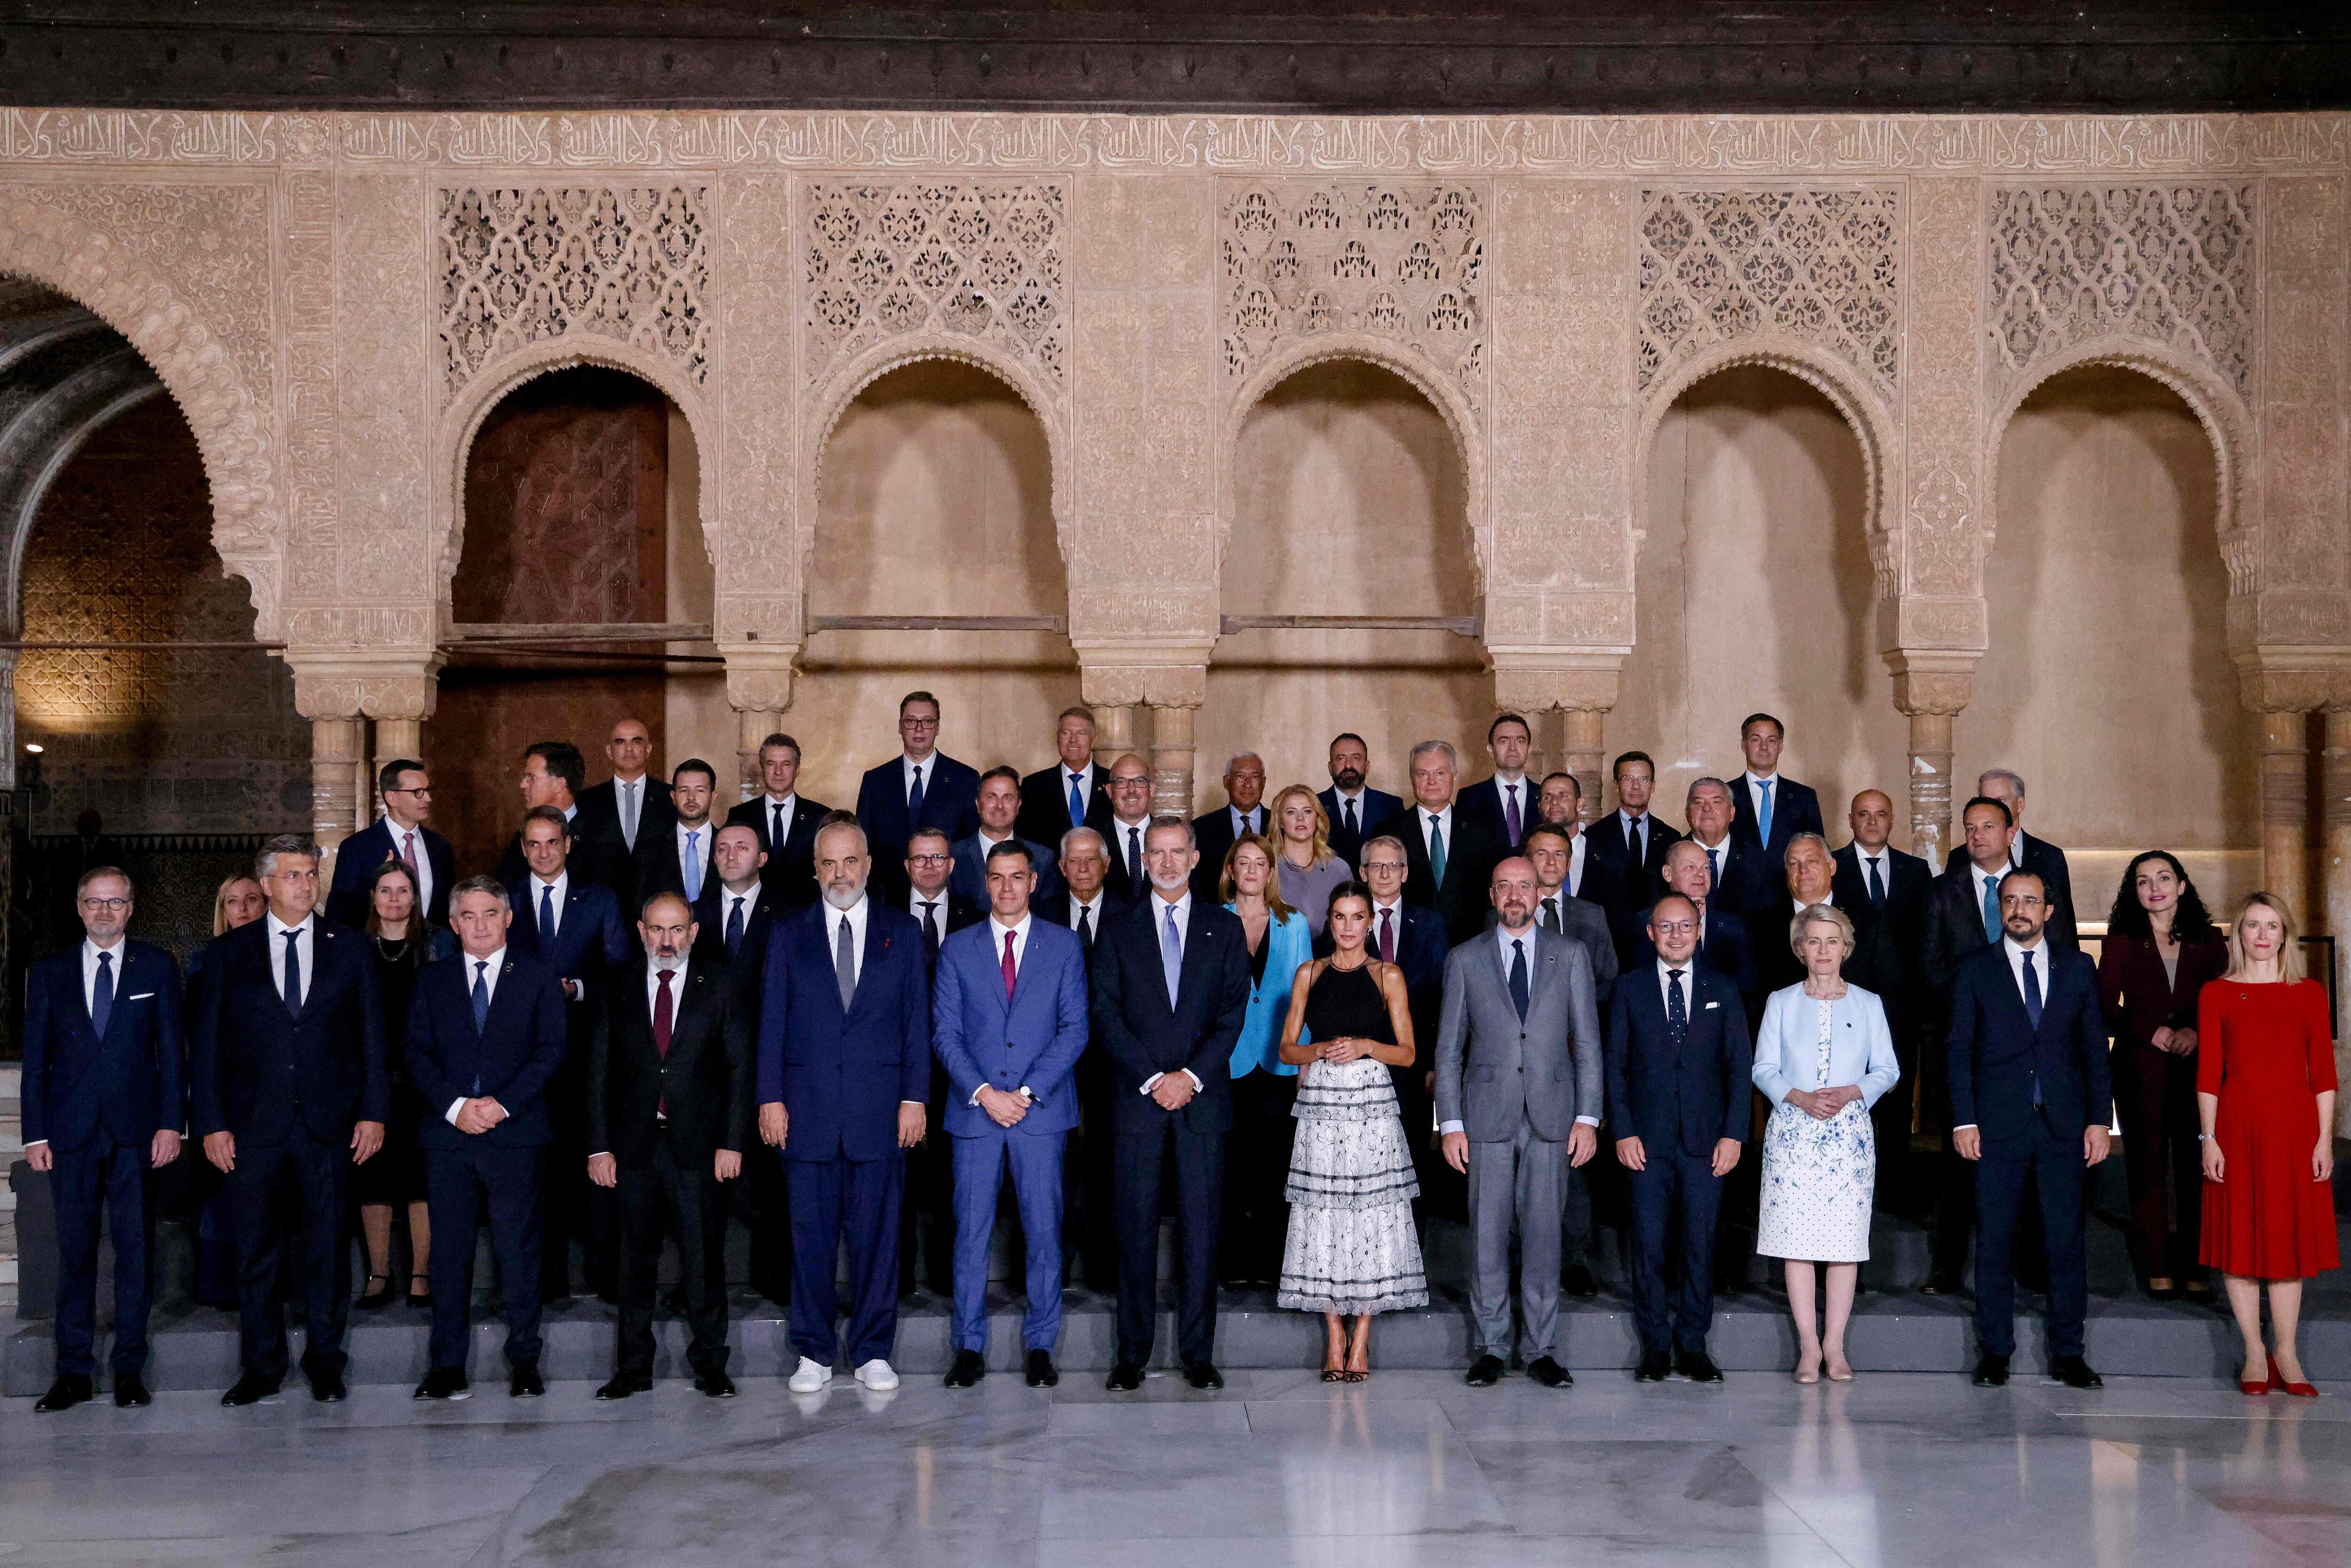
[1520, 1032]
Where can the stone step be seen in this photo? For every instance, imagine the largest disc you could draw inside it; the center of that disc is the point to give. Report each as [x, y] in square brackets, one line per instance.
[12, 1080]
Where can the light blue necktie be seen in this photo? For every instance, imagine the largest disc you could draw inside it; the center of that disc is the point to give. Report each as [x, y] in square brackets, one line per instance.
[1991, 911]
[1077, 803]
[1171, 956]
[101, 996]
[693, 867]
[1763, 809]
[546, 914]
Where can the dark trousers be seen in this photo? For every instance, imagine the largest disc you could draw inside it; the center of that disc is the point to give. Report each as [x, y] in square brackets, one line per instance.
[305, 1180]
[677, 1195]
[1575, 1220]
[1256, 1175]
[860, 1197]
[768, 1215]
[102, 1176]
[1952, 1206]
[1150, 1141]
[1088, 1178]
[462, 1185]
[927, 1217]
[576, 1207]
[2052, 1161]
[1676, 1190]
[2162, 1162]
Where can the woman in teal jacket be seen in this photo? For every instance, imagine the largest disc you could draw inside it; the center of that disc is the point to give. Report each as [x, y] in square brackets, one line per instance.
[1257, 1152]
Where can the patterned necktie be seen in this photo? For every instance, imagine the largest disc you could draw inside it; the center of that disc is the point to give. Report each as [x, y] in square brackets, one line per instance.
[101, 995]
[408, 851]
[1676, 1011]
[1077, 803]
[844, 964]
[1511, 810]
[930, 930]
[629, 815]
[481, 994]
[1134, 856]
[293, 974]
[1877, 885]
[1518, 993]
[1387, 935]
[1011, 970]
[1437, 849]
[733, 933]
[914, 799]
[692, 869]
[547, 913]
[1171, 956]
[1991, 910]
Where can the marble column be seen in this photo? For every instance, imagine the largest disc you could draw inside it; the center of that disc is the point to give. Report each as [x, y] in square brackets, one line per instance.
[1585, 755]
[337, 757]
[1931, 690]
[396, 739]
[1171, 757]
[2286, 809]
[1113, 731]
[1581, 688]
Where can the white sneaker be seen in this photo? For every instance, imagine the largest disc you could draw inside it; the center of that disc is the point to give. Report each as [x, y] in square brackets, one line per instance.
[807, 1377]
[876, 1374]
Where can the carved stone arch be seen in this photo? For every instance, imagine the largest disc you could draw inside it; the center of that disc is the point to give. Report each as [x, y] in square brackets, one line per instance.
[233, 421]
[461, 422]
[1871, 422]
[896, 353]
[2215, 404]
[42, 439]
[1460, 421]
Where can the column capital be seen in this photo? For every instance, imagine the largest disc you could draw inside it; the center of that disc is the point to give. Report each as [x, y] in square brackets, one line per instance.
[760, 680]
[354, 684]
[1170, 673]
[1933, 681]
[1527, 682]
[2294, 680]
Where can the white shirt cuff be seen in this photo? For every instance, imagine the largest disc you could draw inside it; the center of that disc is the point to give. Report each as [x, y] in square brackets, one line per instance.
[37, 1143]
[1197, 1084]
[450, 1115]
[601, 1155]
[1964, 1127]
[1587, 1121]
[1151, 1083]
[1445, 1127]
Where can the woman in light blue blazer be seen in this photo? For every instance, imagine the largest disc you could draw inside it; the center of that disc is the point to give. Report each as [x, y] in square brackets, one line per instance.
[1257, 1153]
[1824, 1055]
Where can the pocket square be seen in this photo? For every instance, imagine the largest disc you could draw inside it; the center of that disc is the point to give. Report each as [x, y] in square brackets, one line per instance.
[1712, 1006]
[139, 997]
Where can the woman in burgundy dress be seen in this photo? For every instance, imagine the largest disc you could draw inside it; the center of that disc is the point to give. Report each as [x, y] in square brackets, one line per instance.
[2160, 949]
[2265, 1090]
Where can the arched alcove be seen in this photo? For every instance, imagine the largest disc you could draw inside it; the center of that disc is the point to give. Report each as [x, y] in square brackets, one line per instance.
[1755, 593]
[935, 499]
[1348, 499]
[2107, 682]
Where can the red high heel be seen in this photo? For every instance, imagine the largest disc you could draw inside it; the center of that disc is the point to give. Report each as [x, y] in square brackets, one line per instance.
[2297, 1390]
[2255, 1390]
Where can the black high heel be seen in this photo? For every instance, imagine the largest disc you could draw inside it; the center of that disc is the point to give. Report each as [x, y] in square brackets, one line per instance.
[417, 1298]
[377, 1298]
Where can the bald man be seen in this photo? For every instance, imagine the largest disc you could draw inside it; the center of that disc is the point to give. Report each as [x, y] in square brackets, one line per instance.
[617, 812]
[1872, 875]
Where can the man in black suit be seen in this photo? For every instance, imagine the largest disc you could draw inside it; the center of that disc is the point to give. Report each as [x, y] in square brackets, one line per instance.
[1507, 802]
[786, 822]
[1872, 875]
[399, 834]
[680, 861]
[1768, 809]
[1353, 809]
[921, 787]
[1451, 854]
[1130, 801]
[614, 814]
[1087, 906]
[999, 809]
[1746, 880]
[1242, 813]
[486, 1035]
[737, 912]
[2039, 856]
[2029, 1099]
[1810, 879]
[553, 774]
[669, 1116]
[1628, 851]
[736, 906]
[927, 1217]
[289, 1091]
[1171, 985]
[1413, 940]
[1724, 944]
[1072, 793]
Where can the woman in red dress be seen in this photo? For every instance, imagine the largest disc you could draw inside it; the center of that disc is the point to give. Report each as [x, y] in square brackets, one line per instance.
[2266, 1092]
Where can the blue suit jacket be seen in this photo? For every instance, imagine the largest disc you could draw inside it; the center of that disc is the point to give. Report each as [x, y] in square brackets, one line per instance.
[950, 803]
[355, 862]
[1289, 946]
[970, 879]
[1034, 1037]
[589, 936]
[840, 1074]
[512, 1056]
[260, 1072]
[1996, 1053]
[129, 1082]
[1688, 1098]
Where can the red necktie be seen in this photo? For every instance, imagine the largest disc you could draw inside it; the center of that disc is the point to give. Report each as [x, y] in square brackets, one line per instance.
[1011, 971]
[1387, 935]
[664, 1019]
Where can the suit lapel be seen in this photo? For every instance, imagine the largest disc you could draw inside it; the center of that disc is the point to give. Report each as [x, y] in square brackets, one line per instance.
[1194, 953]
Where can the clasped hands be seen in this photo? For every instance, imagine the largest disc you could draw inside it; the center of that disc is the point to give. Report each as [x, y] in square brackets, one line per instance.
[1634, 1157]
[1005, 1107]
[1823, 1103]
[776, 1124]
[479, 1114]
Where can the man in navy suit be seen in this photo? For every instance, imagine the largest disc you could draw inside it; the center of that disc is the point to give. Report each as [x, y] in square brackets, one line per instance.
[1243, 812]
[921, 787]
[678, 860]
[1073, 793]
[1769, 811]
[926, 1207]
[1723, 945]
[1171, 985]
[1452, 853]
[786, 821]
[1087, 907]
[1000, 808]
[2030, 1099]
[1354, 809]
[1746, 880]
[574, 927]
[1872, 875]
[736, 906]
[486, 1036]
[737, 912]
[400, 834]
[1130, 803]
[1413, 940]
[1508, 802]
[1628, 851]
[1679, 1059]
[613, 815]
[101, 1105]
[289, 1091]
[844, 1058]
[553, 774]
[1009, 1022]
[2039, 856]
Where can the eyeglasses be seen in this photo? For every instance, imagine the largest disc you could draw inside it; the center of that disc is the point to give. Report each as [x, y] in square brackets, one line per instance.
[111, 905]
[910, 722]
[1370, 866]
[420, 791]
[928, 860]
[1143, 783]
[1674, 928]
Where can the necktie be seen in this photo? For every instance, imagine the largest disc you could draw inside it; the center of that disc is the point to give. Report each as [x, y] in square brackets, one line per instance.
[1991, 910]
[547, 913]
[777, 834]
[1551, 916]
[914, 799]
[693, 866]
[665, 1026]
[930, 930]
[1713, 869]
[101, 995]
[1387, 935]
[1437, 849]
[1011, 970]
[1639, 833]
[1676, 1011]
[1763, 810]
[293, 975]
[629, 815]
[844, 964]
[1134, 856]
[1354, 828]
[1085, 928]
[1519, 994]
[1511, 810]
[481, 994]
[1171, 956]
[1877, 885]
[408, 851]
[734, 935]
[1077, 803]
[2033, 1011]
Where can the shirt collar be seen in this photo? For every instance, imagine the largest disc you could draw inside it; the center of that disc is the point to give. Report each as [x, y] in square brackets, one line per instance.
[90, 949]
[1665, 970]
[1766, 780]
[279, 927]
[495, 959]
[1183, 907]
[786, 801]
[1079, 901]
[1019, 930]
[1502, 934]
[2017, 950]
[559, 879]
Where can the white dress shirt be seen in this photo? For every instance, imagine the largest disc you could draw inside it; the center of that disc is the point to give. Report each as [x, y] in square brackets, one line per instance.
[1986, 879]
[1763, 784]
[939, 901]
[1688, 968]
[1574, 884]
[407, 842]
[557, 891]
[1529, 938]
[2007, 946]
[1864, 859]
[496, 962]
[700, 850]
[1084, 778]
[855, 914]
[730, 901]
[1719, 852]
[1183, 908]
[768, 807]
[89, 952]
[1092, 912]
[1636, 843]
[906, 766]
[1508, 789]
[653, 1001]
[1442, 820]
[629, 799]
[997, 932]
[306, 952]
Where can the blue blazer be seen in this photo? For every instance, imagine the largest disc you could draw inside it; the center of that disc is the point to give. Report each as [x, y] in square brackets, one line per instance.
[355, 862]
[129, 1082]
[1685, 1099]
[1288, 947]
[1996, 1053]
[950, 803]
[259, 1073]
[1035, 1037]
[590, 937]
[1143, 1035]
[970, 879]
[840, 1074]
[512, 1056]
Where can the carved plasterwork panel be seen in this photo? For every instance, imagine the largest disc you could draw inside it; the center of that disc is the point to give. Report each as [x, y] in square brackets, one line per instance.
[1938, 551]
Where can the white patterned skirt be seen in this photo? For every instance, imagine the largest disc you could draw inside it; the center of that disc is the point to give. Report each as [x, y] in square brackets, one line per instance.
[1352, 1247]
[1818, 1179]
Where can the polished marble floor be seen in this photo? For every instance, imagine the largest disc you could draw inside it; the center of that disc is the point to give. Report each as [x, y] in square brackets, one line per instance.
[1410, 1468]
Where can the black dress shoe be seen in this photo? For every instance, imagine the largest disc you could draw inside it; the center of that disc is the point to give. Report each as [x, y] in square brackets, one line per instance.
[1203, 1374]
[1124, 1378]
[70, 1389]
[1040, 1371]
[1939, 1284]
[1485, 1372]
[1697, 1366]
[445, 1383]
[525, 1383]
[1549, 1373]
[251, 1389]
[2075, 1372]
[969, 1367]
[327, 1387]
[1654, 1365]
[1992, 1371]
[1579, 1281]
[715, 1385]
[624, 1384]
[130, 1394]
